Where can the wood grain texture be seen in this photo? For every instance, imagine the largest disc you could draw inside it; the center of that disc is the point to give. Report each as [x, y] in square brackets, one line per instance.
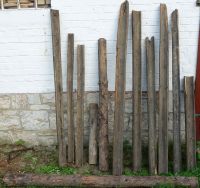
[137, 94]
[176, 92]
[163, 92]
[190, 123]
[55, 25]
[97, 181]
[151, 106]
[120, 78]
[103, 106]
[70, 100]
[80, 103]
[93, 124]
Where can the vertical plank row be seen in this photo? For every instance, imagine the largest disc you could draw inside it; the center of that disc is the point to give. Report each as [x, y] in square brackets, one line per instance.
[120, 78]
[151, 106]
[190, 123]
[93, 122]
[55, 25]
[70, 102]
[103, 106]
[163, 91]
[176, 92]
[80, 103]
[137, 94]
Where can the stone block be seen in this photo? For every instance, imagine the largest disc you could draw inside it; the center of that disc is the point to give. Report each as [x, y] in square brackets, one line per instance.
[5, 102]
[34, 120]
[48, 98]
[19, 101]
[40, 107]
[34, 99]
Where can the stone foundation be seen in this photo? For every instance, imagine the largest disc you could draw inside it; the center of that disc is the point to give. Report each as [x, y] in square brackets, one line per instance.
[31, 117]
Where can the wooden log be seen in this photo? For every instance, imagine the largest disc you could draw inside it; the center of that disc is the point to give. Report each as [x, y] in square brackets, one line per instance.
[70, 100]
[151, 107]
[93, 124]
[176, 93]
[55, 24]
[137, 94]
[103, 107]
[163, 92]
[120, 82]
[190, 123]
[97, 181]
[80, 103]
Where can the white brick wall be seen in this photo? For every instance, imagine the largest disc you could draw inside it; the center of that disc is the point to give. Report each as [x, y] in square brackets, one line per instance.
[25, 40]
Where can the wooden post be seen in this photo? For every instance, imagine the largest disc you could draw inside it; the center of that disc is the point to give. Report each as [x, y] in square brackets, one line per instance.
[120, 78]
[163, 91]
[190, 123]
[13, 180]
[55, 24]
[103, 107]
[151, 107]
[70, 101]
[93, 122]
[137, 94]
[80, 103]
[176, 93]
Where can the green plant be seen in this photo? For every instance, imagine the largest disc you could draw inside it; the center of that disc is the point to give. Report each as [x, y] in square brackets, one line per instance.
[20, 142]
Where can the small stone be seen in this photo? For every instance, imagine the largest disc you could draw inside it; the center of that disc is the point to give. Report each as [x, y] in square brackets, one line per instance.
[4, 102]
[34, 99]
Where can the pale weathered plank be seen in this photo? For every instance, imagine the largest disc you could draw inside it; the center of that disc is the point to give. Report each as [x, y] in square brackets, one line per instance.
[55, 24]
[70, 100]
[80, 103]
[93, 124]
[103, 106]
[190, 123]
[163, 92]
[176, 93]
[137, 94]
[120, 89]
[151, 107]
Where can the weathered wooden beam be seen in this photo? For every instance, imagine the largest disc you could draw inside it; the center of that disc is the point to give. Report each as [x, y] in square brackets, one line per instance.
[55, 25]
[97, 181]
[190, 123]
[163, 92]
[137, 94]
[93, 123]
[80, 103]
[151, 106]
[103, 106]
[70, 100]
[120, 82]
[176, 93]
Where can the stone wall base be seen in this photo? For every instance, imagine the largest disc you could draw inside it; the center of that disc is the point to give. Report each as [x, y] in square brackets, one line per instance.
[31, 117]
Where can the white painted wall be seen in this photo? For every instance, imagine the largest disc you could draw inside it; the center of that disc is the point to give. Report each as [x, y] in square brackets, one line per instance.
[25, 40]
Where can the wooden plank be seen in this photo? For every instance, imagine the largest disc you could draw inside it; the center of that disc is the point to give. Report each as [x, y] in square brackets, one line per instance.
[80, 103]
[137, 94]
[103, 106]
[151, 107]
[176, 93]
[163, 92]
[93, 124]
[120, 78]
[190, 123]
[55, 24]
[70, 100]
[97, 181]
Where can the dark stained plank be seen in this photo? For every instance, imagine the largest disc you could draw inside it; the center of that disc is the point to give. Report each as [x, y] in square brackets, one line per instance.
[70, 100]
[151, 106]
[137, 94]
[190, 123]
[120, 78]
[80, 103]
[55, 25]
[176, 92]
[103, 106]
[163, 92]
